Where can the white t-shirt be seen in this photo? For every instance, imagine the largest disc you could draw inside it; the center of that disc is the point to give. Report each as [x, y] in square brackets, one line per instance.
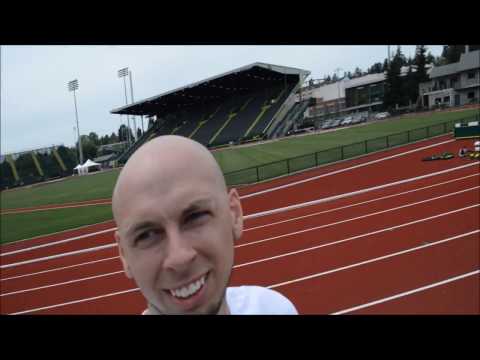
[257, 300]
[253, 300]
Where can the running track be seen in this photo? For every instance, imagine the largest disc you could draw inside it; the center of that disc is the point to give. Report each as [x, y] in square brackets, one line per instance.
[382, 234]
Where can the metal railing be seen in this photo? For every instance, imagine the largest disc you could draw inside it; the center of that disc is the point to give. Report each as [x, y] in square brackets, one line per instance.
[283, 167]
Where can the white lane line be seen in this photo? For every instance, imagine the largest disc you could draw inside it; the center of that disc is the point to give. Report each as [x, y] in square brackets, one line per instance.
[60, 268]
[76, 252]
[8, 212]
[271, 286]
[274, 223]
[265, 213]
[323, 273]
[357, 192]
[61, 283]
[58, 242]
[406, 293]
[352, 238]
[96, 248]
[357, 204]
[355, 218]
[345, 169]
[55, 233]
[75, 302]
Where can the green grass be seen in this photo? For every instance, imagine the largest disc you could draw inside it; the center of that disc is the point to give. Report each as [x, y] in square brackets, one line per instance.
[78, 188]
[244, 157]
[22, 226]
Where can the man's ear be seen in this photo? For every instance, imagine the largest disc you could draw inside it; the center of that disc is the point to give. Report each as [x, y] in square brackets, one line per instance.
[236, 212]
[126, 268]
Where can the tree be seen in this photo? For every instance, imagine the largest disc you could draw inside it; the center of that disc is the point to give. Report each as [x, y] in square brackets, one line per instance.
[113, 138]
[357, 72]
[89, 148]
[123, 133]
[394, 92]
[451, 53]
[421, 61]
[376, 68]
[94, 138]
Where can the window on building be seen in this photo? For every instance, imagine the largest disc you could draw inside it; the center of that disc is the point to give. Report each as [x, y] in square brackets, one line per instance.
[471, 95]
[446, 99]
[471, 75]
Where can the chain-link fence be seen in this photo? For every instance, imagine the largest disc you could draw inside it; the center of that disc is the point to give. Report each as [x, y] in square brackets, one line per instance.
[267, 171]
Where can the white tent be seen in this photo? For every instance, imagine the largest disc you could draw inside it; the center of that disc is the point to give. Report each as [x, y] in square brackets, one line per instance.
[85, 169]
[90, 163]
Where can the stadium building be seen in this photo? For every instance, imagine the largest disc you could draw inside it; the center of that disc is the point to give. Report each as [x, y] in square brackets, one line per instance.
[256, 101]
[454, 84]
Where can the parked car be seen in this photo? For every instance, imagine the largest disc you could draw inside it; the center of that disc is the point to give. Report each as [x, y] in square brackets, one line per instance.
[382, 115]
[347, 121]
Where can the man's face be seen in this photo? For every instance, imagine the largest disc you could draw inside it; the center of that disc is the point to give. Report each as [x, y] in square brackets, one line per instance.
[176, 233]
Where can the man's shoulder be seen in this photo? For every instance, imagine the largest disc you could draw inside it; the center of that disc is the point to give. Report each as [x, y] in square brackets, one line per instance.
[257, 300]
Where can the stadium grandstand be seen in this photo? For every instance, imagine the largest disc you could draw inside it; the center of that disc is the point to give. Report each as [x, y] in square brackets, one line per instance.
[244, 104]
[28, 167]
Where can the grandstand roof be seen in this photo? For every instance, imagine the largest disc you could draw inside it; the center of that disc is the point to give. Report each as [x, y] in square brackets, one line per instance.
[249, 77]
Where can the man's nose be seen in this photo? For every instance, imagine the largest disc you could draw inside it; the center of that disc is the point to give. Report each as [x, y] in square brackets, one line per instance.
[180, 253]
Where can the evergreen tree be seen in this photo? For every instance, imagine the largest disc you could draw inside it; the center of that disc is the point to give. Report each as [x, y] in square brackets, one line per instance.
[394, 92]
[451, 53]
[421, 61]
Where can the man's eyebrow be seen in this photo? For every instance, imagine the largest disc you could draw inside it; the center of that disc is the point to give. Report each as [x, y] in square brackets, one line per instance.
[198, 204]
[139, 226]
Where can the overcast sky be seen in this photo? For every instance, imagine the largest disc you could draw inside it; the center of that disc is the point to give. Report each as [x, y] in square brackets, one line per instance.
[37, 110]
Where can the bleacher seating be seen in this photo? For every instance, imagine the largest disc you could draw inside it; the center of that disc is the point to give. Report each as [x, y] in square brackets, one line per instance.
[244, 119]
[279, 96]
[213, 124]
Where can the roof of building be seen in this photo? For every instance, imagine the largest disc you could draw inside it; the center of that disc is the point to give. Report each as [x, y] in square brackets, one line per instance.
[468, 61]
[239, 79]
[365, 80]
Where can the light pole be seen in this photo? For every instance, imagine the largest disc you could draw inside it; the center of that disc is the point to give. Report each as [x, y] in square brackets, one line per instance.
[134, 118]
[72, 86]
[337, 71]
[122, 73]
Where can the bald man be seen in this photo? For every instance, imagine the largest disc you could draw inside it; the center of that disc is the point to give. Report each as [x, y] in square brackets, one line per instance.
[177, 224]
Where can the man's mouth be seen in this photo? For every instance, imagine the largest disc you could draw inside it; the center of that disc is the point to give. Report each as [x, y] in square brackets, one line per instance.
[189, 290]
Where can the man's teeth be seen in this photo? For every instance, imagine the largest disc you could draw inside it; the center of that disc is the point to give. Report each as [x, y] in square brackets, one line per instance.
[188, 290]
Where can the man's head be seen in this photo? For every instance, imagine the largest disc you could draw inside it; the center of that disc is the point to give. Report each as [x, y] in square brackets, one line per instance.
[177, 223]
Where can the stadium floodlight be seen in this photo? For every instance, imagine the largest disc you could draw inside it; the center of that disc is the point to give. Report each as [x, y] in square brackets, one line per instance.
[122, 73]
[337, 71]
[72, 86]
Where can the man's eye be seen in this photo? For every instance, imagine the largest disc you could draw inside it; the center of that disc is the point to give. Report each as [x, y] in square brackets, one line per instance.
[196, 216]
[145, 237]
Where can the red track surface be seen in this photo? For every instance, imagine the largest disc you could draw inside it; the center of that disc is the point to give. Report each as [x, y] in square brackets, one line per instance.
[411, 247]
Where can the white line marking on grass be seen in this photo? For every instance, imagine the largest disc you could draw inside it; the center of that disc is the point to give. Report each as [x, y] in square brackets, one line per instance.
[53, 208]
[357, 204]
[323, 273]
[58, 242]
[356, 218]
[61, 283]
[352, 238]
[60, 268]
[271, 286]
[345, 169]
[357, 192]
[76, 301]
[406, 293]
